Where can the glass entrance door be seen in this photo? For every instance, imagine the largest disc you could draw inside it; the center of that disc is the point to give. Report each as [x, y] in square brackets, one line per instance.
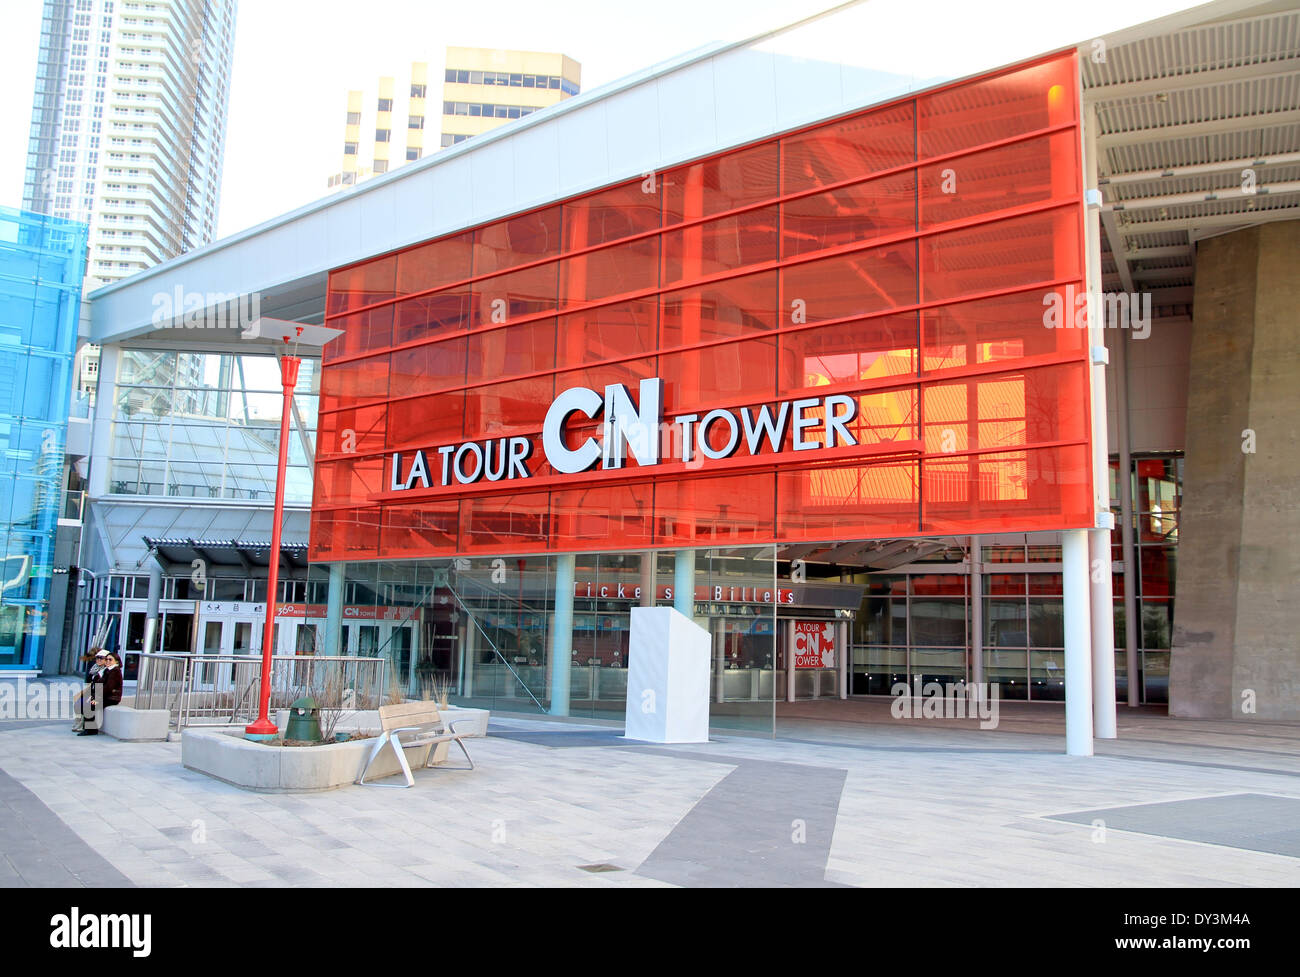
[212, 647]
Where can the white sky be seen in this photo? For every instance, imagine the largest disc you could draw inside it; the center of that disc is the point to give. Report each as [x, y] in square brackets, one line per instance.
[296, 59]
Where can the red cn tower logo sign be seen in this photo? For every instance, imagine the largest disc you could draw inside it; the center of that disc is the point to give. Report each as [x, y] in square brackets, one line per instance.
[635, 428]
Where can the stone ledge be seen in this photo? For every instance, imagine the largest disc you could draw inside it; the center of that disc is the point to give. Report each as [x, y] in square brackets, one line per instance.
[131, 725]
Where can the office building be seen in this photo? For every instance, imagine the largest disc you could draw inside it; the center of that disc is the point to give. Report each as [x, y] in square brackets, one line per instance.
[383, 128]
[392, 125]
[484, 88]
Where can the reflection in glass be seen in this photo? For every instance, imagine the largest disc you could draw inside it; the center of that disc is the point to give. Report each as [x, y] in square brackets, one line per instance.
[206, 425]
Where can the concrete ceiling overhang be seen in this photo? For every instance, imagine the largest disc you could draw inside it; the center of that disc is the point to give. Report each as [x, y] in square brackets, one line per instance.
[203, 319]
[223, 558]
[1197, 134]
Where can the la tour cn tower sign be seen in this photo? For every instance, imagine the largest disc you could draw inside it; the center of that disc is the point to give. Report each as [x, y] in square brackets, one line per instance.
[638, 428]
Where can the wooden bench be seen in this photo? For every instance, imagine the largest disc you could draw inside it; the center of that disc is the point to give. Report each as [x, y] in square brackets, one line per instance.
[423, 720]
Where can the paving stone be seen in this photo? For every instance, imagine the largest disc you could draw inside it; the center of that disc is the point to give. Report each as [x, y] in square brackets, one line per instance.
[877, 802]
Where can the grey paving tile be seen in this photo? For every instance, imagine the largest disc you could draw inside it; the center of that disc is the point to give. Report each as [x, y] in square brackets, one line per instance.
[1253, 821]
[40, 850]
[767, 824]
[713, 814]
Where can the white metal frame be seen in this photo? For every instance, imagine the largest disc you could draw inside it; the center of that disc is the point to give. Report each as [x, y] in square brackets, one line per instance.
[391, 738]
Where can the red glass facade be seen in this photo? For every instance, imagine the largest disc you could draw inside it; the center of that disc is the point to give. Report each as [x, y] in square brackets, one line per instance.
[900, 256]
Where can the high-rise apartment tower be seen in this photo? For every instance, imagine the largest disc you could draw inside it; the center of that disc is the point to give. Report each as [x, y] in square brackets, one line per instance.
[129, 125]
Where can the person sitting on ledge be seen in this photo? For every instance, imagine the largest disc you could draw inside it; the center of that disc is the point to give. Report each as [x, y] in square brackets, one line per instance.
[106, 690]
[81, 703]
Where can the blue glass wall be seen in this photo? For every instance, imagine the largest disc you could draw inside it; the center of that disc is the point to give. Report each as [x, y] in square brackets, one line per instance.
[42, 260]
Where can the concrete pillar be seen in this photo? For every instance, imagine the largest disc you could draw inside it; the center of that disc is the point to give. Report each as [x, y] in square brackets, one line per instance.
[1237, 616]
[1123, 442]
[1101, 599]
[649, 577]
[562, 634]
[1078, 642]
[333, 643]
[684, 583]
[151, 615]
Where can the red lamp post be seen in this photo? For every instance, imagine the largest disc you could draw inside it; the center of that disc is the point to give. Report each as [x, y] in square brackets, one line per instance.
[262, 727]
[316, 336]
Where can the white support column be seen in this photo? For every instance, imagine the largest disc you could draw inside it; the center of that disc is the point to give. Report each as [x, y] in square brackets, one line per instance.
[151, 615]
[1102, 607]
[1103, 636]
[1078, 642]
[334, 611]
[684, 583]
[562, 634]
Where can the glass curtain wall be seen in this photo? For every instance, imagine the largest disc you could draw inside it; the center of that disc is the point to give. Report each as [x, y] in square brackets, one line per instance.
[1157, 501]
[207, 426]
[41, 265]
[485, 630]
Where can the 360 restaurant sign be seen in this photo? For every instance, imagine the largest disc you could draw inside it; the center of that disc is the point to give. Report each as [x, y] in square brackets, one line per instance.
[634, 428]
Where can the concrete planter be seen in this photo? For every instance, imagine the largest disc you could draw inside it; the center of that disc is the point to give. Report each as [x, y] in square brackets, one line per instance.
[223, 752]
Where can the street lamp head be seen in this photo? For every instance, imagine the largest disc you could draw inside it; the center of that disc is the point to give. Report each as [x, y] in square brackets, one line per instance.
[283, 331]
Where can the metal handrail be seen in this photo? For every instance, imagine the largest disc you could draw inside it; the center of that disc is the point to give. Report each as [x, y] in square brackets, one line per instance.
[180, 692]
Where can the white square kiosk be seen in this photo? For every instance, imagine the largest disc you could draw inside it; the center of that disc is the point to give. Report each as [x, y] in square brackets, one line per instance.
[667, 678]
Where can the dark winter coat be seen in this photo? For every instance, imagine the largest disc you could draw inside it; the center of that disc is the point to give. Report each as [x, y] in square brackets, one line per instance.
[108, 687]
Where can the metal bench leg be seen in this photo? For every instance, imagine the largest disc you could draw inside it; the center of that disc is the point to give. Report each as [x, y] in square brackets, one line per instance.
[433, 751]
[465, 751]
[401, 760]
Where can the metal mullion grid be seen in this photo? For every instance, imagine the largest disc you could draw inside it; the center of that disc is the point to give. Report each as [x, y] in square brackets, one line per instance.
[779, 331]
[623, 477]
[550, 494]
[776, 374]
[853, 247]
[461, 514]
[167, 459]
[885, 386]
[659, 333]
[810, 127]
[757, 467]
[757, 269]
[729, 404]
[225, 448]
[915, 164]
[920, 294]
